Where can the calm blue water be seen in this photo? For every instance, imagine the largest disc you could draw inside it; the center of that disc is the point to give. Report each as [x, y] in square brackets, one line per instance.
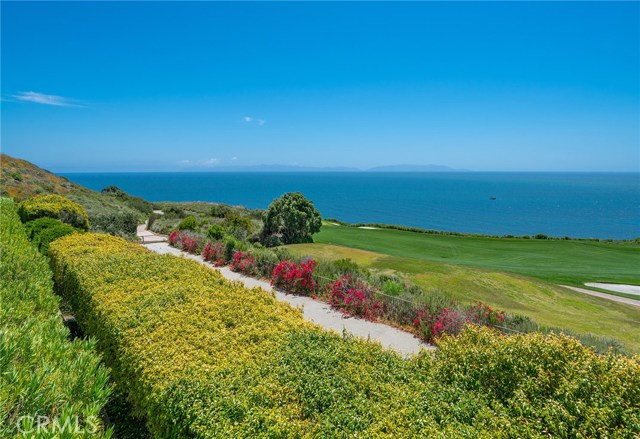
[577, 205]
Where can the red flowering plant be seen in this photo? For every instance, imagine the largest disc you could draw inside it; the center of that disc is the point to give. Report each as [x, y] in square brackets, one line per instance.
[295, 278]
[173, 238]
[354, 297]
[244, 262]
[451, 321]
[186, 241]
[214, 252]
[431, 325]
[482, 314]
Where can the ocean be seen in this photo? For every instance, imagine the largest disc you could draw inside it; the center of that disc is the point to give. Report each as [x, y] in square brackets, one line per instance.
[585, 205]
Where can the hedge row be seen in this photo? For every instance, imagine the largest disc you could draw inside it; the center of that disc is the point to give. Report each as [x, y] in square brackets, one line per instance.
[54, 206]
[42, 373]
[203, 357]
[43, 231]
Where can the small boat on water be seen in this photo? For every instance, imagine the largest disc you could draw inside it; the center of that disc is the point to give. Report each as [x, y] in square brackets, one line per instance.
[492, 198]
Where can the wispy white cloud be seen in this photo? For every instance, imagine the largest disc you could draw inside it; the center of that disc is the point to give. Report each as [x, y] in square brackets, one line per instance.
[252, 120]
[208, 163]
[211, 162]
[44, 99]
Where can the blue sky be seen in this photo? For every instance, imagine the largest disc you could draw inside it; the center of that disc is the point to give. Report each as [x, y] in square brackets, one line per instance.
[196, 86]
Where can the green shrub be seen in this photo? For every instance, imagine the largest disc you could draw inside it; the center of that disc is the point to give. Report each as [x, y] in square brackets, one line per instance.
[54, 206]
[220, 210]
[231, 246]
[204, 357]
[239, 226]
[553, 380]
[152, 219]
[122, 224]
[216, 232]
[42, 373]
[265, 261]
[189, 223]
[43, 231]
[393, 288]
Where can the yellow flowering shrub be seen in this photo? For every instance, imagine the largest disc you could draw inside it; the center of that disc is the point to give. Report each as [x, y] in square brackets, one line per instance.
[54, 206]
[205, 357]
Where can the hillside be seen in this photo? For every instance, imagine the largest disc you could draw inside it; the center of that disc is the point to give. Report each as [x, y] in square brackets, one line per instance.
[114, 213]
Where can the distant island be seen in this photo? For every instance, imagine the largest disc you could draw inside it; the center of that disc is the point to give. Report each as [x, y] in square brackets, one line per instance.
[415, 168]
[297, 168]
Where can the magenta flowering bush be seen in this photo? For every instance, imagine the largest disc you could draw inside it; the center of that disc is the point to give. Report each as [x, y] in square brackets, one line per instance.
[431, 324]
[295, 278]
[354, 297]
[214, 252]
[187, 241]
[243, 262]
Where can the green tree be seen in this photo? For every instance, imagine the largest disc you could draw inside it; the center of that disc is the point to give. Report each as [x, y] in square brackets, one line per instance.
[238, 225]
[290, 219]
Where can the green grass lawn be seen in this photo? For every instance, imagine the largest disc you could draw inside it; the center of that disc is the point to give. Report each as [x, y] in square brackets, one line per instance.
[544, 302]
[560, 262]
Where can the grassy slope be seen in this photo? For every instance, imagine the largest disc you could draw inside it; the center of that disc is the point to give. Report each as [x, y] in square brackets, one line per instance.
[560, 262]
[21, 179]
[545, 303]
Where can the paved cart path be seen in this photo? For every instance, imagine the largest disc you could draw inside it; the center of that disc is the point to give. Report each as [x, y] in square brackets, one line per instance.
[604, 295]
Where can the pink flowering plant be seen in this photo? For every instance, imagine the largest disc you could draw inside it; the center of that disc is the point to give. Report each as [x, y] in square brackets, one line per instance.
[214, 252]
[244, 262]
[295, 278]
[354, 297]
[187, 241]
[430, 324]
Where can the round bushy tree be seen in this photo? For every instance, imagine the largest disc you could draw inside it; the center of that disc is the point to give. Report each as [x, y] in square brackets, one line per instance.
[290, 219]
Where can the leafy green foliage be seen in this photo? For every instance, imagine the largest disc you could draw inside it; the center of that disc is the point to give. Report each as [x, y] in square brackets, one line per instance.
[292, 219]
[202, 357]
[122, 224]
[216, 232]
[189, 223]
[42, 373]
[238, 225]
[54, 206]
[220, 210]
[43, 231]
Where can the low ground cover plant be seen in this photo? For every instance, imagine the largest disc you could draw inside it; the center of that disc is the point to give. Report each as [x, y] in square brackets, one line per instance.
[202, 357]
[42, 373]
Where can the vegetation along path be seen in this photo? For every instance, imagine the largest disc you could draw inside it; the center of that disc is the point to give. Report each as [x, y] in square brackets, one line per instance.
[316, 311]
